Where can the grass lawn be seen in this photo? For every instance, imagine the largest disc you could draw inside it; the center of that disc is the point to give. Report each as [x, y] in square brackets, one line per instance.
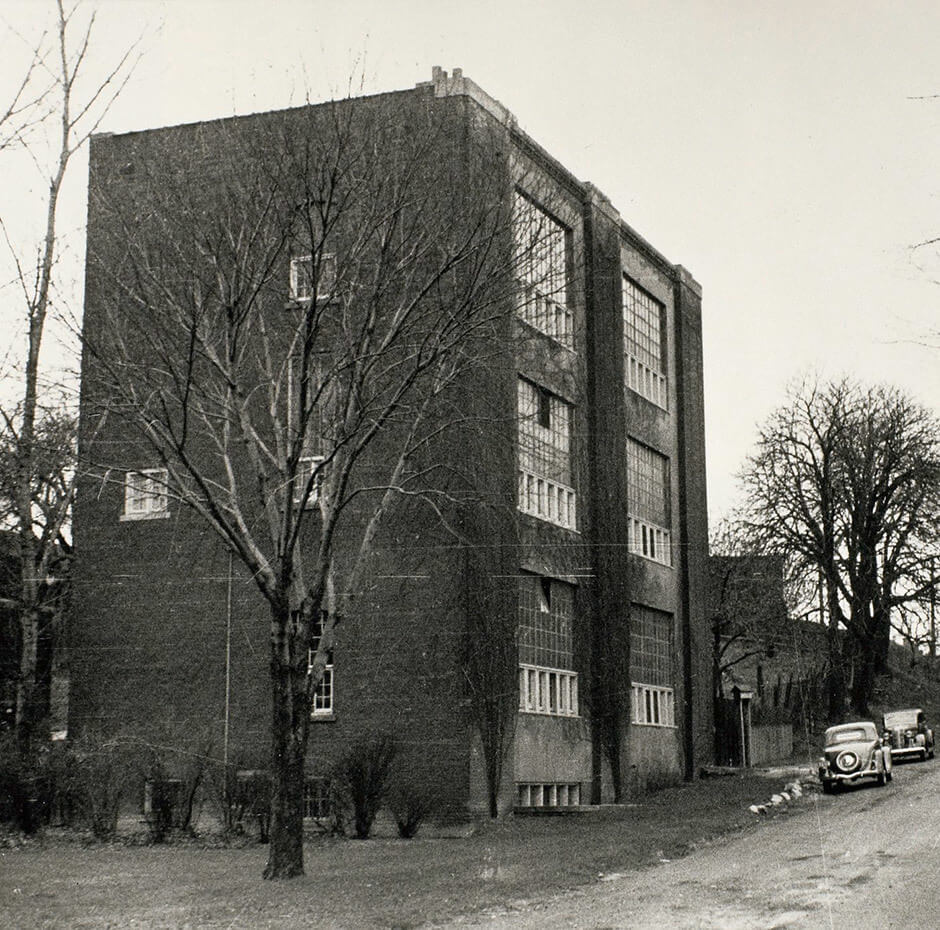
[381, 882]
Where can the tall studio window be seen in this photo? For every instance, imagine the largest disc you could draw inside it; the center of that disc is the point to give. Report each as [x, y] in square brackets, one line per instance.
[541, 262]
[545, 479]
[308, 279]
[547, 682]
[648, 503]
[145, 494]
[323, 694]
[644, 344]
[651, 664]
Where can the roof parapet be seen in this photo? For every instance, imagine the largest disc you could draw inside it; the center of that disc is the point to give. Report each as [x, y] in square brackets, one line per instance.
[458, 85]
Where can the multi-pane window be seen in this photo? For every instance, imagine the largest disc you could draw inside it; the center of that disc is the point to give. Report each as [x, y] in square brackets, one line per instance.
[323, 695]
[303, 273]
[651, 667]
[546, 609]
[551, 691]
[145, 494]
[547, 685]
[553, 794]
[654, 707]
[644, 340]
[648, 503]
[317, 798]
[545, 479]
[541, 262]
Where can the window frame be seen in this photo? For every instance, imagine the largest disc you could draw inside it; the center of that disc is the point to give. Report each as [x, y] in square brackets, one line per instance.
[328, 272]
[156, 503]
[306, 465]
[646, 535]
[540, 495]
[653, 706]
[650, 381]
[537, 305]
[548, 692]
[318, 800]
[548, 794]
[323, 702]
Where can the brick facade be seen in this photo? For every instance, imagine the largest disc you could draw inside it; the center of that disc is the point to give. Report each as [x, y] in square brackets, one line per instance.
[171, 636]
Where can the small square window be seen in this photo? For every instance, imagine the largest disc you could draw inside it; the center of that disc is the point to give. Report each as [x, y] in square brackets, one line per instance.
[145, 494]
[308, 279]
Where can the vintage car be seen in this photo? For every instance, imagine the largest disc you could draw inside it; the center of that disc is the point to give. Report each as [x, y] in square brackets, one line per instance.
[853, 751]
[908, 735]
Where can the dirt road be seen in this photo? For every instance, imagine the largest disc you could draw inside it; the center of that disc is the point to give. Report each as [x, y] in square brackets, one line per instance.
[867, 857]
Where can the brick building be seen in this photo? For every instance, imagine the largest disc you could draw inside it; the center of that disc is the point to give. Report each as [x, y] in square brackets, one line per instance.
[600, 468]
[769, 668]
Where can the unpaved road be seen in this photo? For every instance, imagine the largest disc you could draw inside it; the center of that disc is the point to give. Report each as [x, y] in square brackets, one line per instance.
[869, 857]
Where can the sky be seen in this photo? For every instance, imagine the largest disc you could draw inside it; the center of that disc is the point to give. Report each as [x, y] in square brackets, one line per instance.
[786, 154]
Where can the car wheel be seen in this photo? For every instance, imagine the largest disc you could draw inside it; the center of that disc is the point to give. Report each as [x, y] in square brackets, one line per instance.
[923, 755]
[881, 779]
[828, 787]
[889, 775]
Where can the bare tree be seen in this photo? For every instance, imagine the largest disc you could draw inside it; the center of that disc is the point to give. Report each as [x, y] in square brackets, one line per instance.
[743, 619]
[845, 481]
[50, 97]
[289, 422]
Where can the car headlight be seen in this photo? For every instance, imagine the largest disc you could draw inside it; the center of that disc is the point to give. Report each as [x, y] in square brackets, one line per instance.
[847, 760]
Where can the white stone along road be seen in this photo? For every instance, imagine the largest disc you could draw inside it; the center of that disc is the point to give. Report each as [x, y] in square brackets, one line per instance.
[868, 857]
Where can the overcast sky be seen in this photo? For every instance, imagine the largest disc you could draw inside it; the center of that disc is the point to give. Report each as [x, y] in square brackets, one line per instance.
[786, 154]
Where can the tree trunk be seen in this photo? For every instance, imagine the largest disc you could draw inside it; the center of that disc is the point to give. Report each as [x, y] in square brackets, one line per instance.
[289, 728]
[882, 639]
[835, 678]
[27, 692]
[863, 684]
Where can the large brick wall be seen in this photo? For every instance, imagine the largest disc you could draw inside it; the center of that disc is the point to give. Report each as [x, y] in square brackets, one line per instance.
[159, 605]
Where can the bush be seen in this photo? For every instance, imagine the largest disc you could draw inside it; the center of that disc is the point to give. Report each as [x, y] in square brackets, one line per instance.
[99, 772]
[362, 779]
[175, 772]
[243, 796]
[410, 805]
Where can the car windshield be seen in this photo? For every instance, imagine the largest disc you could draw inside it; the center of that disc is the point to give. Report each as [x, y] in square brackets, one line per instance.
[850, 735]
[901, 718]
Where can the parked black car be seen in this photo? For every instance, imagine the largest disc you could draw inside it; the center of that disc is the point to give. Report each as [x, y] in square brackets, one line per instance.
[908, 735]
[851, 752]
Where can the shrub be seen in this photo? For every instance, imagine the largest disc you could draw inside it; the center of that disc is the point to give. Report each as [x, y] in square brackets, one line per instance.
[175, 772]
[362, 779]
[410, 805]
[243, 796]
[99, 772]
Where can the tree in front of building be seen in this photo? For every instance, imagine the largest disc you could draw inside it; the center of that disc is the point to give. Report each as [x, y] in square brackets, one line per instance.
[845, 481]
[283, 316]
